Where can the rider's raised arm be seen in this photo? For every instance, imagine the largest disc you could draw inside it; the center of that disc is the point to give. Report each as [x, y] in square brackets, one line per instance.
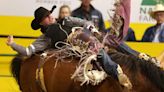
[38, 45]
[77, 22]
[74, 21]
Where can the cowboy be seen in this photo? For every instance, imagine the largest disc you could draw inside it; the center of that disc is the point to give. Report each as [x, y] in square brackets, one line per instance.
[88, 12]
[156, 33]
[55, 31]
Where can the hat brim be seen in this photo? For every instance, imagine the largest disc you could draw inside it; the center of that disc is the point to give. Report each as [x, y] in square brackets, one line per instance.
[35, 25]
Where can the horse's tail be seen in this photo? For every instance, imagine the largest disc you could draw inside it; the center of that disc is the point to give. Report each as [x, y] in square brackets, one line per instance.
[15, 68]
[154, 73]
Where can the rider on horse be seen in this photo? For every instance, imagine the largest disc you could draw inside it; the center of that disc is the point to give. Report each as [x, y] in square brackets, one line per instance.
[58, 31]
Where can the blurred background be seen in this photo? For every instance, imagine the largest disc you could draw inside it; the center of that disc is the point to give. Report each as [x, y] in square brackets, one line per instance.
[16, 17]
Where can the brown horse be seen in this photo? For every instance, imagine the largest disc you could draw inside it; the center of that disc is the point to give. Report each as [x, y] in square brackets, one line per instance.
[144, 76]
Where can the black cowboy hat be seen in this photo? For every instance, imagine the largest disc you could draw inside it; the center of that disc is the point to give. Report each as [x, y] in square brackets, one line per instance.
[39, 15]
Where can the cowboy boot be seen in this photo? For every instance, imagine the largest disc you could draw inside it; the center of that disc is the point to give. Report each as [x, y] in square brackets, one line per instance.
[113, 69]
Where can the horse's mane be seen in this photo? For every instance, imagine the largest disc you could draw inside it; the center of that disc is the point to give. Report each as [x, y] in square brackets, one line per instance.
[153, 73]
[134, 65]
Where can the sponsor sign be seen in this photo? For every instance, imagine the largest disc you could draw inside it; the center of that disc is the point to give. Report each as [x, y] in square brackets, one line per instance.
[139, 8]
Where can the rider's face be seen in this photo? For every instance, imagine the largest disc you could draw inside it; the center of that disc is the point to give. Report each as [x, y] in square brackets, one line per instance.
[48, 20]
